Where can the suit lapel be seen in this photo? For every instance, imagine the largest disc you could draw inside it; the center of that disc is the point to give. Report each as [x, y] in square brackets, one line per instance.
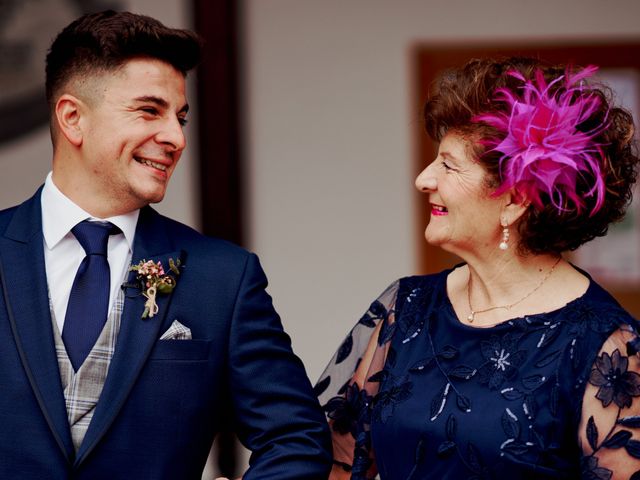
[137, 336]
[27, 298]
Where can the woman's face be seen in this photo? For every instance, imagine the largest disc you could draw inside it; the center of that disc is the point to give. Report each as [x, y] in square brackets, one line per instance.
[464, 217]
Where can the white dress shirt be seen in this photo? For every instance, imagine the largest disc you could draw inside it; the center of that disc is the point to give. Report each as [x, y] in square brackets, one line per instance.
[63, 253]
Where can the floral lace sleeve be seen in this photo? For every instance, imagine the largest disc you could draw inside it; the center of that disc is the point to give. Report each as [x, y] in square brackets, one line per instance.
[349, 383]
[610, 426]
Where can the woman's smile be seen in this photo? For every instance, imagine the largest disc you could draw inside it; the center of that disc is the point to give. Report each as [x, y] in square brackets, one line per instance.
[438, 210]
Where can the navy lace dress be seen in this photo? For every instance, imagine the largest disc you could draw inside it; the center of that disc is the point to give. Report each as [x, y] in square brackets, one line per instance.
[545, 396]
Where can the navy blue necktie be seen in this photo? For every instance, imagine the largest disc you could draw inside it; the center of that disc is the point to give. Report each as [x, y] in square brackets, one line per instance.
[89, 299]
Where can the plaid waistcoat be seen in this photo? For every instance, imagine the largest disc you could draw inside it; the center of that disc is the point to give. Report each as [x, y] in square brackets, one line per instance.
[82, 389]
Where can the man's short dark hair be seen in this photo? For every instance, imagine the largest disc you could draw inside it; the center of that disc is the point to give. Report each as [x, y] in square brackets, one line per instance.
[105, 41]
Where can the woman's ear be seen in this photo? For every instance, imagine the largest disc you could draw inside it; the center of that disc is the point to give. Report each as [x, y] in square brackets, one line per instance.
[515, 206]
[67, 118]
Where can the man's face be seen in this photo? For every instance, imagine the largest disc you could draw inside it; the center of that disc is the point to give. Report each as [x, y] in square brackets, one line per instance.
[132, 134]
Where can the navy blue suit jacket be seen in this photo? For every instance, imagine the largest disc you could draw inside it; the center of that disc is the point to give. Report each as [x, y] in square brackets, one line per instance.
[163, 400]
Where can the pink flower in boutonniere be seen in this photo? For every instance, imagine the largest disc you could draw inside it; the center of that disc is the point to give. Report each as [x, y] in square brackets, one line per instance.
[152, 280]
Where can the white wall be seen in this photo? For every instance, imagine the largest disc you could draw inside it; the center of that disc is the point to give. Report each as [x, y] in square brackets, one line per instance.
[330, 113]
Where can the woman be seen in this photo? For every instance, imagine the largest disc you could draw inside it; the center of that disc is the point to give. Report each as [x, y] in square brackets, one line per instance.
[514, 364]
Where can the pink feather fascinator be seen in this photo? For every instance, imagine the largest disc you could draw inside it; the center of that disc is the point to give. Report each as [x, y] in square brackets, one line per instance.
[543, 150]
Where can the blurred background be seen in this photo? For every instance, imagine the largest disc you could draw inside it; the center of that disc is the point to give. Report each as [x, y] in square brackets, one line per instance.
[305, 133]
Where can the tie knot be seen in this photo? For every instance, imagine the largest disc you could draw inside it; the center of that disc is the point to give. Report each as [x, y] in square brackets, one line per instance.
[94, 236]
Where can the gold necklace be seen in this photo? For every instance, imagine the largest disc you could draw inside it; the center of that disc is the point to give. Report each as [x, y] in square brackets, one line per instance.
[509, 306]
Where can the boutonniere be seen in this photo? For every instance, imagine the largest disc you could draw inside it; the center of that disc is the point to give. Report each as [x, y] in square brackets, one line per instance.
[153, 280]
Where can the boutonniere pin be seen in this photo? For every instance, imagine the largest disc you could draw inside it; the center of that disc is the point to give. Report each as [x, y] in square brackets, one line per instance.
[153, 280]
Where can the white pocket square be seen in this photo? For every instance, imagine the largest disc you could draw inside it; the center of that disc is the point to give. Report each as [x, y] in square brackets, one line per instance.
[177, 331]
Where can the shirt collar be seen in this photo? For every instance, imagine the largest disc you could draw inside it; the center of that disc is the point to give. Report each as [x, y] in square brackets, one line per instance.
[60, 215]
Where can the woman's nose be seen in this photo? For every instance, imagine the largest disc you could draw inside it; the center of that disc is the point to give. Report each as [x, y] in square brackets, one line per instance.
[425, 182]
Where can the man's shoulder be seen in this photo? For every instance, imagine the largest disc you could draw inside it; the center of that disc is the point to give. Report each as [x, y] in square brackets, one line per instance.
[28, 217]
[187, 238]
[6, 214]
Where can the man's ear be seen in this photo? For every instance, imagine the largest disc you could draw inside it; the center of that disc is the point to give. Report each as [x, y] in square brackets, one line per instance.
[515, 206]
[68, 118]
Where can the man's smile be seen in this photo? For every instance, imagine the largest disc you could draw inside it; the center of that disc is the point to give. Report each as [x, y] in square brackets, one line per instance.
[151, 163]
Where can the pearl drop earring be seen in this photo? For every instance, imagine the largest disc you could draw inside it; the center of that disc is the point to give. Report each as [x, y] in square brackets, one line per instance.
[504, 244]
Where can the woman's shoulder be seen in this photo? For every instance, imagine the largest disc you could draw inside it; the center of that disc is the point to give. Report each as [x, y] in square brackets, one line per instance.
[429, 278]
[600, 310]
[420, 290]
[377, 323]
[424, 283]
[409, 288]
[595, 319]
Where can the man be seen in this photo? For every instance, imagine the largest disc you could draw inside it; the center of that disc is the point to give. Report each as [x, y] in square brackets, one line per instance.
[103, 382]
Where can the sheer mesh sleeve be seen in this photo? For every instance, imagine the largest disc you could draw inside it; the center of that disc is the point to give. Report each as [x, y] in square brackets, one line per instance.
[349, 383]
[609, 432]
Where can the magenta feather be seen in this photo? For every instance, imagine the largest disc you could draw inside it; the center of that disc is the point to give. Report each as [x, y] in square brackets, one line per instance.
[543, 150]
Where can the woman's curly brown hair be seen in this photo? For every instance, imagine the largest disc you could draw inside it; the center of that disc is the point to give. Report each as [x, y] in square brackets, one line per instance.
[461, 94]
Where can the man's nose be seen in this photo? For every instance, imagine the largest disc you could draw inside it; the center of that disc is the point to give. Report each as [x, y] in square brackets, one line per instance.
[172, 134]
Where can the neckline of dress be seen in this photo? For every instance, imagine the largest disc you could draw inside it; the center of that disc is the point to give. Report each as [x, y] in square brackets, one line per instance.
[510, 321]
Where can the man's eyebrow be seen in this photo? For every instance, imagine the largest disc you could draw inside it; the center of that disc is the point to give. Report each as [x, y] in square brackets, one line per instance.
[160, 102]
